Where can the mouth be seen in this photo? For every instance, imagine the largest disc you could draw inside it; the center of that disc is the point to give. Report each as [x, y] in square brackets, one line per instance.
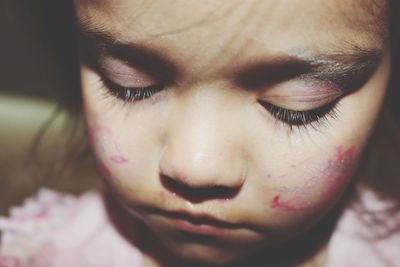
[199, 224]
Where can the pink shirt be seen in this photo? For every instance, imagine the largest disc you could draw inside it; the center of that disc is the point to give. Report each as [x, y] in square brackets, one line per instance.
[57, 230]
[366, 239]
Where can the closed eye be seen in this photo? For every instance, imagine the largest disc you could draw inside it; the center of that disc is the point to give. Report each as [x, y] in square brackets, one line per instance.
[130, 94]
[294, 118]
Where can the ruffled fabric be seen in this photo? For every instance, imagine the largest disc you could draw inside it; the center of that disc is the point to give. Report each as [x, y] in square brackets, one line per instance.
[56, 230]
[367, 235]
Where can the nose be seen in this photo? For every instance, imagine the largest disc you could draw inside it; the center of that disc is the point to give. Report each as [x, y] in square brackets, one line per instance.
[203, 154]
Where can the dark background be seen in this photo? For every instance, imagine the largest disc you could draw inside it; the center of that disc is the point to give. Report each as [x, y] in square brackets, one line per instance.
[38, 72]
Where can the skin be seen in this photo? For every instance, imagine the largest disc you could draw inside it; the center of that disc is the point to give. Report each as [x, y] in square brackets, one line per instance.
[208, 130]
[333, 176]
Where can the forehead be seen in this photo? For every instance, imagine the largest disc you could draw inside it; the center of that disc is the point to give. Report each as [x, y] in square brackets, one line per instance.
[239, 27]
[366, 15]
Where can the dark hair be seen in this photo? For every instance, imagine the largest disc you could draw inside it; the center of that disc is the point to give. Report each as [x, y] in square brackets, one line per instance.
[393, 97]
[57, 29]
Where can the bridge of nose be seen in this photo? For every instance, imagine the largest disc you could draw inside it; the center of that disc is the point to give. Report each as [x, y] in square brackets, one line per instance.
[204, 143]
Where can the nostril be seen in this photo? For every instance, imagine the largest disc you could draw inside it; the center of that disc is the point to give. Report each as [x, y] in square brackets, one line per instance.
[198, 194]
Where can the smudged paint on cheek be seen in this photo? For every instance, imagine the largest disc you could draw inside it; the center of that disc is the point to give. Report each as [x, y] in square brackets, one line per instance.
[104, 169]
[322, 188]
[106, 148]
[118, 159]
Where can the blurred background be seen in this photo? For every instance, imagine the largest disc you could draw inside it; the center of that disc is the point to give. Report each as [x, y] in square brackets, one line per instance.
[41, 145]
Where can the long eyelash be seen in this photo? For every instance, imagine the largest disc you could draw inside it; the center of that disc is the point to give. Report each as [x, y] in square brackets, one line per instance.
[130, 94]
[294, 118]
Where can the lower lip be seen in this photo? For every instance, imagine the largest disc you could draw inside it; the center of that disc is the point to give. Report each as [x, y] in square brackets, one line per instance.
[201, 229]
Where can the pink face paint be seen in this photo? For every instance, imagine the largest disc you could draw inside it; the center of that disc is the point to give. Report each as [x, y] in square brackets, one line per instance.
[277, 204]
[328, 183]
[102, 139]
[103, 168]
[118, 159]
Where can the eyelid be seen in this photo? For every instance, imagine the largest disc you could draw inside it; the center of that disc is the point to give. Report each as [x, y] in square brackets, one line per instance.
[307, 94]
[294, 95]
[123, 73]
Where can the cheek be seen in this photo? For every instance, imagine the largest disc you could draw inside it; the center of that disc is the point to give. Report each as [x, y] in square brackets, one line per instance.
[322, 188]
[107, 149]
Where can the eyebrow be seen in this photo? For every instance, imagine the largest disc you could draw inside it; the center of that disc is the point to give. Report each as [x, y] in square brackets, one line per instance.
[348, 70]
[95, 42]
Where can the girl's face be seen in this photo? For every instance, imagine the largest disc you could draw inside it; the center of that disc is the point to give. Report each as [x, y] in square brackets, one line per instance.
[229, 125]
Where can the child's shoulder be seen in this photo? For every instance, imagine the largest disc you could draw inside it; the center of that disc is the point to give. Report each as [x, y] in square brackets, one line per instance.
[58, 230]
[367, 234]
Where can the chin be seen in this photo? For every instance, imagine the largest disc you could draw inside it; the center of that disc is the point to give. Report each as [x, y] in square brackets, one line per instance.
[195, 255]
[201, 251]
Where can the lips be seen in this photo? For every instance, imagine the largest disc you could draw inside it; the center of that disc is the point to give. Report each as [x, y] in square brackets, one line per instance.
[200, 224]
[206, 228]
